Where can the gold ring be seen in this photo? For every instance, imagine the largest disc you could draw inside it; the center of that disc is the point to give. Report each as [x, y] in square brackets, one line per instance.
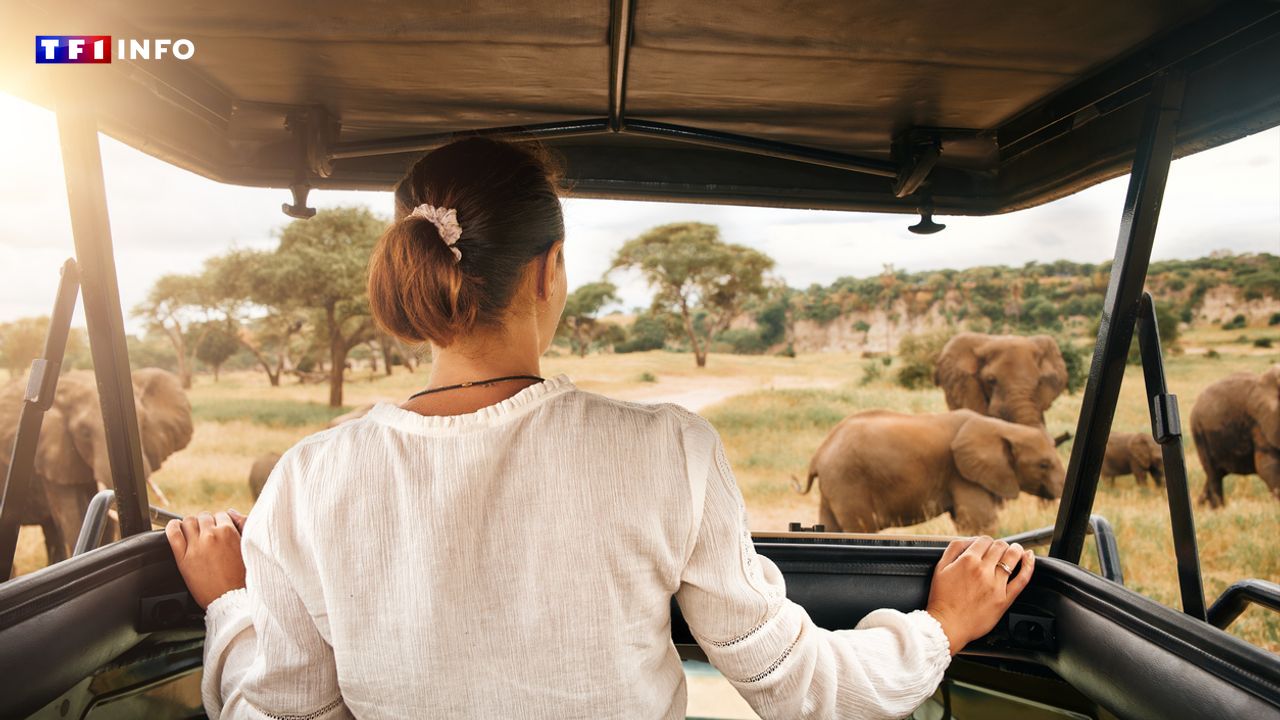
[1004, 567]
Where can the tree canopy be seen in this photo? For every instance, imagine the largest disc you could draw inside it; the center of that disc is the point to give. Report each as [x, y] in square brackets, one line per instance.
[579, 320]
[322, 265]
[693, 271]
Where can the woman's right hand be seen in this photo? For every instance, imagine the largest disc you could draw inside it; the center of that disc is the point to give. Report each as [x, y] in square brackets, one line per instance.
[971, 592]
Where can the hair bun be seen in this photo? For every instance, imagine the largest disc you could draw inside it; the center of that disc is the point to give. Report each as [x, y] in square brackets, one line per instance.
[418, 291]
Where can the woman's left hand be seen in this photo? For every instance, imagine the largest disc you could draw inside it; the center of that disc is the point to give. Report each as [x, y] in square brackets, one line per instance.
[207, 549]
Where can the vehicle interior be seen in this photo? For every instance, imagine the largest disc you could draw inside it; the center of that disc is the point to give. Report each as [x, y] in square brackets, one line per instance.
[915, 108]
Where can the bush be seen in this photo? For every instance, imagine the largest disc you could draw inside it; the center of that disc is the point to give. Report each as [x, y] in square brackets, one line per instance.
[871, 371]
[1262, 342]
[743, 341]
[1274, 319]
[647, 377]
[1213, 354]
[788, 351]
[773, 322]
[1077, 362]
[646, 333]
[1235, 323]
[919, 354]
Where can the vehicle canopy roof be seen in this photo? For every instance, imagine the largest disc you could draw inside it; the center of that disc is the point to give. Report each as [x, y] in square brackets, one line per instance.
[974, 108]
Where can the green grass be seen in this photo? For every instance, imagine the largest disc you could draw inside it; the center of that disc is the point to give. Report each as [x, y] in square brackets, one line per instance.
[770, 436]
[781, 410]
[269, 412]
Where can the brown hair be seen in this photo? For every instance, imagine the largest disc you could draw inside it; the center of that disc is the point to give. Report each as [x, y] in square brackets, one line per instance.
[507, 205]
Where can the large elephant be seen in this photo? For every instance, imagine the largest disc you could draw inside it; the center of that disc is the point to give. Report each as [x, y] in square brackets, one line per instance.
[71, 461]
[1135, 454]
[881, 469]
[1236, 426]
[1010, 377]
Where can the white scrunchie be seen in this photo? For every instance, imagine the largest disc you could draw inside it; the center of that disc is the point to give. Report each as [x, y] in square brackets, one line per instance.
[446, 221]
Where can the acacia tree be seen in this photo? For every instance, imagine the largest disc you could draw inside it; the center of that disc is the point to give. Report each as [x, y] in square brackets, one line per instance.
[581, 308]
[322, 266]
[217, 344]
[179, 306]
[693, 271]
[21, 341]
[246, 284]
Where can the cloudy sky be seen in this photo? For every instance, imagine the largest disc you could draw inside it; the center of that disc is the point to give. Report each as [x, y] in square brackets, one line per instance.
[168, 220]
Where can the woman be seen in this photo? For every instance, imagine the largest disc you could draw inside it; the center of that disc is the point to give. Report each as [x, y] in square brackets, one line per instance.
[501, 545]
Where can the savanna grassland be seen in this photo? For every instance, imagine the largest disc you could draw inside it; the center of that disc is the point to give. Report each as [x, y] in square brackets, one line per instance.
[772, 413]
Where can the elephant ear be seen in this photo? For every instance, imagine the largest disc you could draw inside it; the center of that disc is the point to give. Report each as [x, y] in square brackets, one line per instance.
[1264, 404]
[1053, 371]
[984, 456]
[165, 420]
[957, 373]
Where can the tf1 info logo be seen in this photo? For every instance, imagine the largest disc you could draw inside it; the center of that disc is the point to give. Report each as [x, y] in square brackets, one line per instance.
[94, 49]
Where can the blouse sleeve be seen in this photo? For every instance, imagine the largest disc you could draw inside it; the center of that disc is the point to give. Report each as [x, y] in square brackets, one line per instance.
[264, 657]
[783, 664]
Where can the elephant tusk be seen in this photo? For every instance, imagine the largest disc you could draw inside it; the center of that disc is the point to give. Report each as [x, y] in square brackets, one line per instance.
[164, 500]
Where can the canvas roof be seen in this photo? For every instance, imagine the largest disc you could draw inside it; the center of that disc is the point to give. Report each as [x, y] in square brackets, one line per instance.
[805, 103]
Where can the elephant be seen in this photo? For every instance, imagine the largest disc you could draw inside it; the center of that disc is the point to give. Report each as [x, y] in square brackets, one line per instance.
[261, 470]
[1133, 454]
[266, 462]
[881, 469]
[1236, 425]
[1010, 377]
[71, 462]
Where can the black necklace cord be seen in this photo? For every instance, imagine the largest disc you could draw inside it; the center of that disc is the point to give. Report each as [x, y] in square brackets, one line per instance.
[475, 383]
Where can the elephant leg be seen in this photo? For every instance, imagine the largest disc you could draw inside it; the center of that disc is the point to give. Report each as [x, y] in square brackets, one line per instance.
[1212, 495]
[975, 510]
[1140, 476]
[827, 517]
[55, 546]
[1267, 463]
[68, 504]
[1109, 479]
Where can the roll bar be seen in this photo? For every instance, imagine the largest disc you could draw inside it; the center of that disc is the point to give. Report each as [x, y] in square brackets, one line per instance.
[91, 230]
[1104, 539]
[1119, 314]
[1235, 599]
[42, 385]
[95, 521]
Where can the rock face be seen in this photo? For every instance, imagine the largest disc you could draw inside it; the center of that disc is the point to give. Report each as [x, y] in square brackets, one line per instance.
[1222, 303]
[885, 328]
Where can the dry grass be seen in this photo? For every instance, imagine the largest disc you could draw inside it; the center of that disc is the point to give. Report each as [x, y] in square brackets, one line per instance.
[770, 428]
[771, 435]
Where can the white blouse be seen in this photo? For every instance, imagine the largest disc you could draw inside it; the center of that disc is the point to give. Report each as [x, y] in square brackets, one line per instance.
[519, 561]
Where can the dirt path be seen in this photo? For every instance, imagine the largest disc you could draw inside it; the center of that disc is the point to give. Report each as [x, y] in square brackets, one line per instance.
[696, 394]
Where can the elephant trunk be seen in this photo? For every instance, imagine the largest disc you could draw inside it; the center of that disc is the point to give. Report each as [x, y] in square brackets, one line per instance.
[1018, 407]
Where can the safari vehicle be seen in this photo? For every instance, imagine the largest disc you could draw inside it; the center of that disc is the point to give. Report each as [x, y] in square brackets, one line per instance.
[898, 107]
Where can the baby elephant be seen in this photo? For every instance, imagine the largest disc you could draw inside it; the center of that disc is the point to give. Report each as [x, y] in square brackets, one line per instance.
[260, 471]
[266, 462]
[1133, 454]
[883, 469]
